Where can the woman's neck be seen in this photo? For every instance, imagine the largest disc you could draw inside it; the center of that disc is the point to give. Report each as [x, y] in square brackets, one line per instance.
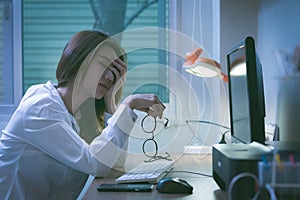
[66, 95]
[72, 101]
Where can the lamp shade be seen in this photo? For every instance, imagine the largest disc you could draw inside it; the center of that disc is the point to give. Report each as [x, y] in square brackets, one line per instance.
[203, 67]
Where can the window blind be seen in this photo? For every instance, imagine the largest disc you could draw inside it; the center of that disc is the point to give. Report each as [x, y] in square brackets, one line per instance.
[49, 24]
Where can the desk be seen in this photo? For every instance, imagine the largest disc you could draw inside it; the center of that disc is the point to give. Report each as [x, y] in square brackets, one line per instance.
[204, 187]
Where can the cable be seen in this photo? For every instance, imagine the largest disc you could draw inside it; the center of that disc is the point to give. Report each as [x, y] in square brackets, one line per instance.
[222, 141]
[271, 192]
[190, 172]
[208, 122]
[236, 178]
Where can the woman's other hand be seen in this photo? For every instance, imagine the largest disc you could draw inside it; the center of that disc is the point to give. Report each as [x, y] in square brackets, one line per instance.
[148, 103]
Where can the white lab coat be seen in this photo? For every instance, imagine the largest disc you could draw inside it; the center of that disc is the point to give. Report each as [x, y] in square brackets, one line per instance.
[42, 155]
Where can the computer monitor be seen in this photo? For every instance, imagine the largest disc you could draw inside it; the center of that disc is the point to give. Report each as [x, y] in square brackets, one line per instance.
[246, 93]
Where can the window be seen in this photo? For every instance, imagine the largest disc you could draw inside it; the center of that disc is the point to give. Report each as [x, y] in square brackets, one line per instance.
[33, 34]
[147, 52]
[49, 24]
[6, 70]
[10, 56]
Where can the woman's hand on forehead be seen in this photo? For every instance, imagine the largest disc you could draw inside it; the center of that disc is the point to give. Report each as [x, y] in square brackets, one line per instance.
[118, 68]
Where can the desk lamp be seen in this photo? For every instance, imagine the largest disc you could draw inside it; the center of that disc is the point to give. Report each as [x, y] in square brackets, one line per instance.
[203, 67]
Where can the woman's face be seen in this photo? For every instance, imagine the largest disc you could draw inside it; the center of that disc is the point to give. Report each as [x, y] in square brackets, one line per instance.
[105, 83]
[99, 78]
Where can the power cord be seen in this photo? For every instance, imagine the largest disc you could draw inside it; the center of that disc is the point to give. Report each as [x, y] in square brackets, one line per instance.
[236, 178]
[190, 172]
[268, 187]
[222, 141]
[271, 192]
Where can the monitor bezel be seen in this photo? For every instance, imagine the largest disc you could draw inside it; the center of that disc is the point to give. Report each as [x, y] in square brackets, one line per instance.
[255, 92]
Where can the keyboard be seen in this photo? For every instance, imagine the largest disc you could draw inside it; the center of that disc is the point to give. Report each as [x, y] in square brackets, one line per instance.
[150, 172]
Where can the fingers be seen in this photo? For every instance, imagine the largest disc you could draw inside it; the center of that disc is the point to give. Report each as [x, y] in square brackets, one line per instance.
[156, 110]
[118, 68]
[119, 65]
[157, 100]
[148, 103]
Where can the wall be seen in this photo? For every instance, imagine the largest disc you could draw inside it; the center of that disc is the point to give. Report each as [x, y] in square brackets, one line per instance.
[274, 26]
[238, 20]
[278, 29]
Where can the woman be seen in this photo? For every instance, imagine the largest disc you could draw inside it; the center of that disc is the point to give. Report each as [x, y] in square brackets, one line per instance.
[42, 155]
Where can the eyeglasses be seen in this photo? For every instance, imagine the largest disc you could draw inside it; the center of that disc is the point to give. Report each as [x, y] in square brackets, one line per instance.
[151, 141]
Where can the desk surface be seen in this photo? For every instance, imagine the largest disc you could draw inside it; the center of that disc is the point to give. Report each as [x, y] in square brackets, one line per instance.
[204, 187]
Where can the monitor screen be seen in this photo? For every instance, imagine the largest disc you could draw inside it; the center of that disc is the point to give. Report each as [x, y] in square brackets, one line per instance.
[246, 93]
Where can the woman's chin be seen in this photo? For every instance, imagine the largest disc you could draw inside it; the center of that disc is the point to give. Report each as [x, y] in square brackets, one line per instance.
[98, 97]
[100, 94]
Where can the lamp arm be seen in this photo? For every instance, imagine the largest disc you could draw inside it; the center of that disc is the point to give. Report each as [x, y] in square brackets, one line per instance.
[208, 122]
[224, 77]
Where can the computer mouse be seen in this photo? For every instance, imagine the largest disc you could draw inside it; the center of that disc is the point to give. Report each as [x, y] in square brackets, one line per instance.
[174, 186]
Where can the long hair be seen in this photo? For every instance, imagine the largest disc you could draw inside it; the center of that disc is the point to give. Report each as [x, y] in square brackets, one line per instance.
[73, 55]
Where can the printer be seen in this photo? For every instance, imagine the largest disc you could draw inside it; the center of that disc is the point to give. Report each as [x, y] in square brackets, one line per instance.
[229, 160]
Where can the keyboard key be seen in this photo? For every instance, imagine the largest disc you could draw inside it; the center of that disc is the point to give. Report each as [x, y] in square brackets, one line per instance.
[150, 172]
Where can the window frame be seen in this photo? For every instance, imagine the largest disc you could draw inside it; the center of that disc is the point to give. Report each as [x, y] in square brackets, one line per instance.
[15, 57]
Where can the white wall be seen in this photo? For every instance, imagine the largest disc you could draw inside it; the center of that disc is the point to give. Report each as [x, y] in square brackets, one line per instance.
[278, 29]
[238, 19]
[274, 24]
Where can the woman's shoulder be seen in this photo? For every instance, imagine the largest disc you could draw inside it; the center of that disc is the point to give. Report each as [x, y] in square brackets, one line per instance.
[39, 90]
[39, 108]
[43, 97]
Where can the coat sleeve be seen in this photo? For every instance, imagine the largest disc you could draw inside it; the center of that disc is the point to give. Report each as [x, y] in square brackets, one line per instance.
[49, 129]
[111, 146]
